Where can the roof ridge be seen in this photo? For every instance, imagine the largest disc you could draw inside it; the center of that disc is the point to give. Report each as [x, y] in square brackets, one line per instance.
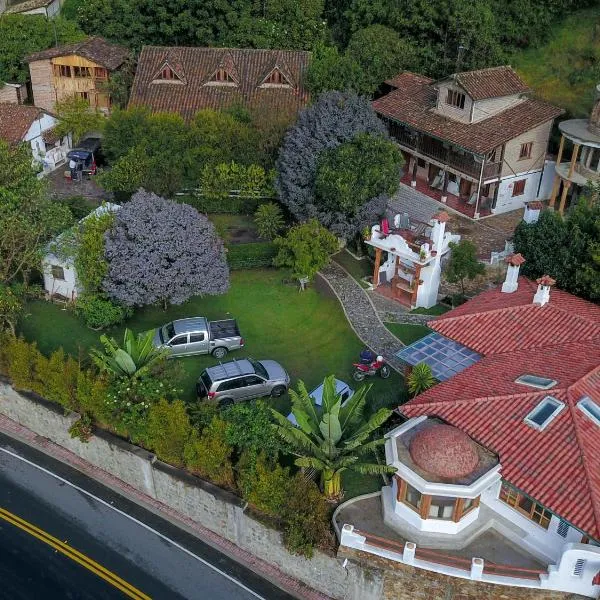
[444, 318]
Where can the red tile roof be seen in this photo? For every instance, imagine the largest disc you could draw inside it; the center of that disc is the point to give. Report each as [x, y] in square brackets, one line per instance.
[248, 68]
[494, 82]
[414, 100]
[15, 121]
[96, 49]
[560, 465]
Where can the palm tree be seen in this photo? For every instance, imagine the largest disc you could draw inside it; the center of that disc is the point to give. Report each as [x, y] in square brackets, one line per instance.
[134, 359]
[330, 438]
[420, 379]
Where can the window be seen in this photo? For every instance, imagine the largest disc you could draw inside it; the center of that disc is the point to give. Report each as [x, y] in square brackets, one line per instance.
[541, 383]
[469, 504]
[525, 151]
[526, 506]
[562, 529]
[421, 162]
[590, 409]
[84, 95]
[196, 337]
[519, 187]
[232, 384]
[82, 72]
[222, 76]
[253, 380]
[578, 568]
[455, 99]
[179, 340]
[167, 74]
[412, 497]
[544, 413]
[100, 73]
[62, 70]
[57, 272]
[276, 78]
[442, 507]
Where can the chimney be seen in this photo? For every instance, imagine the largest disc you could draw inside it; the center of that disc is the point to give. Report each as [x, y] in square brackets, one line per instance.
[594, 122]
[439, 229]
[542, 296]
[511, 283]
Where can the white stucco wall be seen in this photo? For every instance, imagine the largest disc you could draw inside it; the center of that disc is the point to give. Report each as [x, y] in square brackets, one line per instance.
[506, 201]
[66, 287]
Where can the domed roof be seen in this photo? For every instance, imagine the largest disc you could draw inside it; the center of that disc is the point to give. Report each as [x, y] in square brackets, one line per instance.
[444, 451]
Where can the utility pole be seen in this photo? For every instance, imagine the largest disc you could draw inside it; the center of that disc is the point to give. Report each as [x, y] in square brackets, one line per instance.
[459, 57]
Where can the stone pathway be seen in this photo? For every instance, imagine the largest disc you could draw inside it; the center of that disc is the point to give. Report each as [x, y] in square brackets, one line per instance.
[390, 311]
[362, 315]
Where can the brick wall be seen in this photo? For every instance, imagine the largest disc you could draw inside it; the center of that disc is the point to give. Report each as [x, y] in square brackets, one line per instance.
[44, 95]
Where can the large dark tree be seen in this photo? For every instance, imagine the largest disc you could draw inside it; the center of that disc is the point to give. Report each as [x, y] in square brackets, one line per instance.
[159, 251]
[334, 119]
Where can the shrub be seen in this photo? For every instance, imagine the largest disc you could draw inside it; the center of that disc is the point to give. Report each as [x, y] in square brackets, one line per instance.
[218, 181]
[420, 379]
[251, 256]
[232, 205]
[202, 413]
[92, 392]
[99, 313]
[21, 358]
[11, 306]
[168, 430]
[264, 483]
[56, 378]
[209, 455]
[269, 220]
[82, 429]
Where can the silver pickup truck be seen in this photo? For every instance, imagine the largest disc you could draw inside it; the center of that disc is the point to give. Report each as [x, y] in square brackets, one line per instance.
[197, 335]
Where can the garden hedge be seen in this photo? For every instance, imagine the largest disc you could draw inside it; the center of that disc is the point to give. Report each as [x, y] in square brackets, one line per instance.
[251, 256]
[232, 205]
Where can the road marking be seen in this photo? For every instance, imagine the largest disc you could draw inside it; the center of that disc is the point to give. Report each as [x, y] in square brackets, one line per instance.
[85, 561]
[140, 523]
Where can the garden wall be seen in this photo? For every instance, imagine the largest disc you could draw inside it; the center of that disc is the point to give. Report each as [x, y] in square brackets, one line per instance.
[208, 505]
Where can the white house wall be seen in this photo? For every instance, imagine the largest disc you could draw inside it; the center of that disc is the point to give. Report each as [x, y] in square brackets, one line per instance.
[506, 201]
[66, 287]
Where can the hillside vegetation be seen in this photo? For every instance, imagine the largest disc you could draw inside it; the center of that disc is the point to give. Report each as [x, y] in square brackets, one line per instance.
[566, 69]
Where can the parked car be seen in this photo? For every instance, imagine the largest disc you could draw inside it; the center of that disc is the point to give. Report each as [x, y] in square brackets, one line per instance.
[341, 389]
[88, 155]
[244, 379]
[197, 335]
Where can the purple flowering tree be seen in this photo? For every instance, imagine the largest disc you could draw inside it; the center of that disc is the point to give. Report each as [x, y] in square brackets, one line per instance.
[160, 251]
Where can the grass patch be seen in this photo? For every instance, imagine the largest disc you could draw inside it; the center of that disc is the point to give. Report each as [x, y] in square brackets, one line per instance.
[565, 70]
[357, 268]
[407, 332]
[235, 229]
[438, 309]
[356, 484]
[306, 332]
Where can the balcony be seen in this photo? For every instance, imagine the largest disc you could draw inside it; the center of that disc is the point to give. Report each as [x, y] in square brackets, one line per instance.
[581, 174]
[443, 154]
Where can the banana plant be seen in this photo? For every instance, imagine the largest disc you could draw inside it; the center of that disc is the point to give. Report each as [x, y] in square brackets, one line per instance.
[134, 359]
[333, 438]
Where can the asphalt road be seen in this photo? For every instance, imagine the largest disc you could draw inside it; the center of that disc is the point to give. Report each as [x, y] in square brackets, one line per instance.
[115, 536]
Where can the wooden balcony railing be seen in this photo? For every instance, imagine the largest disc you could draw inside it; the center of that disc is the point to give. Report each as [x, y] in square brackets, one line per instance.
[444, 154]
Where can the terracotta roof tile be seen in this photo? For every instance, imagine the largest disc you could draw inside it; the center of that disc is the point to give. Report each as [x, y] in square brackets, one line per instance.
[15, 121]
[494, 82]
[96, 49]
[247, 67]
[414, 100]
[559, 466]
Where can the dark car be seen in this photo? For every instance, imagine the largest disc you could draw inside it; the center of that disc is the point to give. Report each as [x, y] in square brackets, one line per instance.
[88, 155]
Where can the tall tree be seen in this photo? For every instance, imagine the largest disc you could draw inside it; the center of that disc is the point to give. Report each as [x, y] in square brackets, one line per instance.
[332, 438]
[334, 119]
[163, 252]
[463, 263]
[77, 117]
[28, 219]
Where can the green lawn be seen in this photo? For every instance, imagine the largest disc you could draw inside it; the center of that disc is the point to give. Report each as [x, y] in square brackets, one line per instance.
[408, 333]
[564, 71]
[234, 228]
[438, 309]
[357, 268]
[306, 332]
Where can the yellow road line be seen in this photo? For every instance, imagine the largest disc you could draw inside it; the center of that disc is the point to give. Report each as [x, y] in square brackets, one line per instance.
[74, 555]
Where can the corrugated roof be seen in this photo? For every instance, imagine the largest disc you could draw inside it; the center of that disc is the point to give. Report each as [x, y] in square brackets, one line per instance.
[96, 49]
[247, 67]
[559, 466]
[15, 121]
[414, 101]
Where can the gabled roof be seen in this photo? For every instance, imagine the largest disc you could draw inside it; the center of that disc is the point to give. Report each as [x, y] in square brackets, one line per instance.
[494, 82]
[560, 465]
[414, 99]
[248, 66]
[96, 49]
[15, 121]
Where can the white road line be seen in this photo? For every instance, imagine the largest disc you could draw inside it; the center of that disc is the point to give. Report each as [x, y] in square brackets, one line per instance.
[160, 535]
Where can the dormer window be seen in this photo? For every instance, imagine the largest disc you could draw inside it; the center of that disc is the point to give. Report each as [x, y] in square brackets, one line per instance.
[276, 79]
[456, 99]
[544, 413]
[222, 76]
[167, 74]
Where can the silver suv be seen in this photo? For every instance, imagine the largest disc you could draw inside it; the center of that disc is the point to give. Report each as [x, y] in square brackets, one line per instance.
[242, 380]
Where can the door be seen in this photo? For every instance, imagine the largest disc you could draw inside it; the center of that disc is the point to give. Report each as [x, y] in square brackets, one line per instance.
[255, 387]
[178, 345]
[198, 343]
[465, 188]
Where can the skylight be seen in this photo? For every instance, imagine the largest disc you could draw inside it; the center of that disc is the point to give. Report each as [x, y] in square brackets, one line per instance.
[541, 383]
[590, 408]
[541, 416]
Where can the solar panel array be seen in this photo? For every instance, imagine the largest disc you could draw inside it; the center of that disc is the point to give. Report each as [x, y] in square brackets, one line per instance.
[445, 356]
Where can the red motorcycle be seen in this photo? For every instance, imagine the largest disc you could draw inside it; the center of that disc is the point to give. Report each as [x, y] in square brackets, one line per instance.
[376, 367]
